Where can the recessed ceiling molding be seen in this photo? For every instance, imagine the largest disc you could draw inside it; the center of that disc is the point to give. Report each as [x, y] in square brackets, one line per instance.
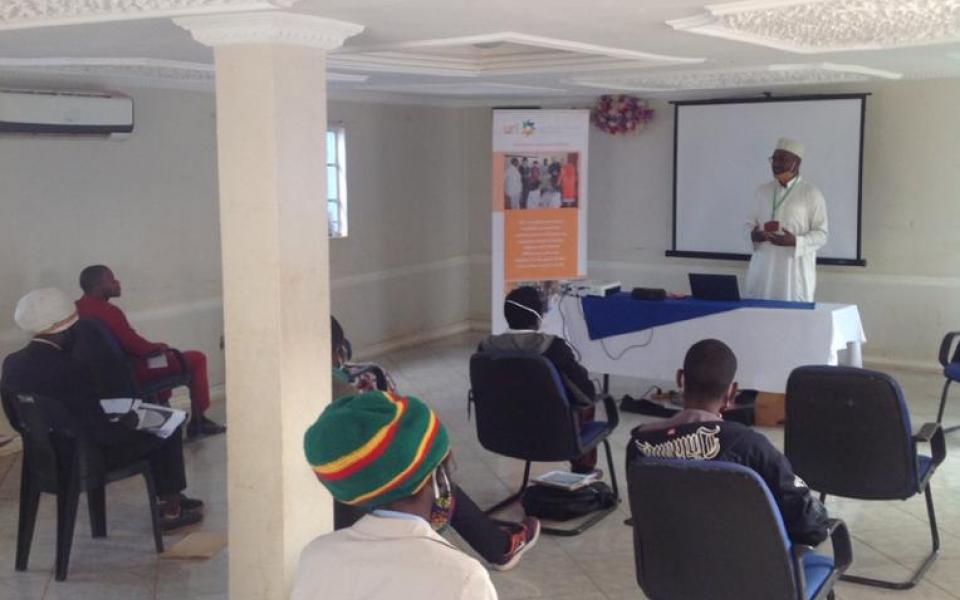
[26, 14]
[506, 53]
[818, 26]
[739, 77]
[147, 71]
[471, 88]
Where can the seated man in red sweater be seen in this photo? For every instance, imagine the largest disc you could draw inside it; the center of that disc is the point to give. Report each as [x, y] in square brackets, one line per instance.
[99, 285]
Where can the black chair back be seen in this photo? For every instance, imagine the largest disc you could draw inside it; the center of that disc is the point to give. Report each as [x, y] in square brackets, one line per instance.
[522, 408]
[99, 350]
[55, 446]
[707, 530]
[848, 433]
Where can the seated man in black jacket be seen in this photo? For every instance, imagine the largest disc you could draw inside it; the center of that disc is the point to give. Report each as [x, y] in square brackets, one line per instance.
[44, 367]
[523, 310]
[699, 432]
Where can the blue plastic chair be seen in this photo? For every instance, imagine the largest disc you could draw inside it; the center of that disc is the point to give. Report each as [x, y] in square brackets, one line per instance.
[951, 370]
[848, 434]
[523, 412]
[711, 530]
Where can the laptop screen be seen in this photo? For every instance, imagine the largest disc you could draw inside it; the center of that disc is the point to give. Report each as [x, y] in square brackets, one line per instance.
[705, 286]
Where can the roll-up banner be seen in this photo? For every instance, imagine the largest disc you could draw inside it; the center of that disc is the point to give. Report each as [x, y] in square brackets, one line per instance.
[539, 203]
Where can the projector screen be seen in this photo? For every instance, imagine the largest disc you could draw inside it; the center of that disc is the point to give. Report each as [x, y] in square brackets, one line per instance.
[721, 151]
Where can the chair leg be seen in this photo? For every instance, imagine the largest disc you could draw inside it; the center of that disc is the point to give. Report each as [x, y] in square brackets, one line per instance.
[154, 509]
[597, 516]
[924, 566]
[613, 473]
[513, 497]
[943, 405]
[68, 497]
[823, 498]
[29, 504]
[97, 506]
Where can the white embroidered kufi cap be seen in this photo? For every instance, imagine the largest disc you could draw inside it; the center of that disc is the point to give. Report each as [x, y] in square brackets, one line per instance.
[792, 146]
[47, 310]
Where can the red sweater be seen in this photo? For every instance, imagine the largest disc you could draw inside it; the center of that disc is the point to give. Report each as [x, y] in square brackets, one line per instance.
[89, 307]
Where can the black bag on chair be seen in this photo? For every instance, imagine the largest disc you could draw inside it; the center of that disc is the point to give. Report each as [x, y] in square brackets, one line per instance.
[558, 504]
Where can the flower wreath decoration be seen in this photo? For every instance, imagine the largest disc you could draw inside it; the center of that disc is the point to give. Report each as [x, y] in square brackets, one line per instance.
[621, 114]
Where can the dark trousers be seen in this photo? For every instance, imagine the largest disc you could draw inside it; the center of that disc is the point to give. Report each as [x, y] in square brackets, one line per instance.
[165, 458]
[477, 529]
[586, 462]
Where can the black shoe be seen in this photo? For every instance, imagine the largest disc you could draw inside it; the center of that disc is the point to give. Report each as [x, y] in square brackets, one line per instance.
[185, 518]
[186, 503]
[204, 426]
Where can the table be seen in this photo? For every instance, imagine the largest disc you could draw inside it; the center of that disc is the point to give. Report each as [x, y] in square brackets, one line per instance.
[769, 342]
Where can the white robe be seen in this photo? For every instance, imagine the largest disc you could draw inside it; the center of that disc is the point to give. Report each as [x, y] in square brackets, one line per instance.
[513, 183]
[788, 272]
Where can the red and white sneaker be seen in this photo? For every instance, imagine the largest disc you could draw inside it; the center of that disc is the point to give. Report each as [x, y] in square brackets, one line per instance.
[523, 536]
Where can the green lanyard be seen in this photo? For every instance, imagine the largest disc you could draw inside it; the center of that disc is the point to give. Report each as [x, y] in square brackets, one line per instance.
[777, 205]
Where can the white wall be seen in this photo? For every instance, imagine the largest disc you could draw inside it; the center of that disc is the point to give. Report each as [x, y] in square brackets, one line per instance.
[417, 258]
[403, 266]
[909, 294]
[147, 206]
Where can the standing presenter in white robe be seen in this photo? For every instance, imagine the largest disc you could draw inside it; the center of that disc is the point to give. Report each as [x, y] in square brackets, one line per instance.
[787, 227]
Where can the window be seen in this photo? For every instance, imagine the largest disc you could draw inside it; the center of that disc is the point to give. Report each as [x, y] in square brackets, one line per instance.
[336, 182]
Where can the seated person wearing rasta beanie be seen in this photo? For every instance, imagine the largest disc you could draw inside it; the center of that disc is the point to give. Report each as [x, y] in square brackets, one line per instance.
[389, 454]
[523, 310]
[698, 432]
[502, 545]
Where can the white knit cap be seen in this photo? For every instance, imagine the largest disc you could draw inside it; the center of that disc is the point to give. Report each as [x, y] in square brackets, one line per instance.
[47, 310]
[792, 146]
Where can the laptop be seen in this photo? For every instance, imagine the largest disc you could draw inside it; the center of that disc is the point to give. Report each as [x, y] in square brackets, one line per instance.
[714, 287]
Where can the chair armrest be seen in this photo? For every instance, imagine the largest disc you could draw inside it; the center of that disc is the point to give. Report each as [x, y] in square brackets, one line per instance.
[840, 540]
[613, 412]
[932, 433]
[945, 348]
[842, 551]
[579, 399]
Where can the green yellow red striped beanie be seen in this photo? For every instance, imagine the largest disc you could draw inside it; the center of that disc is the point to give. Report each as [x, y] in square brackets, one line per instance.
[373, 448]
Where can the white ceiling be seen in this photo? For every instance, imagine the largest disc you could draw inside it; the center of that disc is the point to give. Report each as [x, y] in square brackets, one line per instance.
[498, 50]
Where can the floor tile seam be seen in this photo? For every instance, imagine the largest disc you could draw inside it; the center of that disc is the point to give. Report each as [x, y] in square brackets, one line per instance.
[6, 472]
[576, 562]
[897, 561]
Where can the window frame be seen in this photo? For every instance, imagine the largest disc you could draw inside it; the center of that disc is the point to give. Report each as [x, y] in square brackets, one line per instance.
[339, 132]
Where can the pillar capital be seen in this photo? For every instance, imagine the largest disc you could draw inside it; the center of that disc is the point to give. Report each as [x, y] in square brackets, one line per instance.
[269, 27]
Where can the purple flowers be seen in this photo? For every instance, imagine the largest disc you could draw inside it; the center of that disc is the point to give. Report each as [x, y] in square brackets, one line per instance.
[621, 114]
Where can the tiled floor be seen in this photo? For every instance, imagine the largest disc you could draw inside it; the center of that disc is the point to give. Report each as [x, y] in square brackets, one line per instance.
[890, 537]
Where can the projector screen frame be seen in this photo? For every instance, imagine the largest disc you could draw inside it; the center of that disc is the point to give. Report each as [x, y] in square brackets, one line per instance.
[859, 261]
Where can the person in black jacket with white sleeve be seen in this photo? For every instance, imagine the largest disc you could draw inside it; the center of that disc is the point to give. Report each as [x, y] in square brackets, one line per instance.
[699, 432]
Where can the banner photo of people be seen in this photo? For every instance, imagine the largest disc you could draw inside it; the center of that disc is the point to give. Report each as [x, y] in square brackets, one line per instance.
[539, 203]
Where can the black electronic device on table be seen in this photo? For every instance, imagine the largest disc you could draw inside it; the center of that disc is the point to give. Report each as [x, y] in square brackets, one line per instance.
[705, 286]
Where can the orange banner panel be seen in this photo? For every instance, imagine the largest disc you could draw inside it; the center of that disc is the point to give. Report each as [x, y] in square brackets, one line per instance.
[497, 181]
[541, 244]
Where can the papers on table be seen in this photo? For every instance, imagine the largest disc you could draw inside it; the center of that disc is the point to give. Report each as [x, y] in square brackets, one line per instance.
[161, 421]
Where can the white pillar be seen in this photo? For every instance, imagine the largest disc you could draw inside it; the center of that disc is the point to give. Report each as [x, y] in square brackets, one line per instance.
[271, 134]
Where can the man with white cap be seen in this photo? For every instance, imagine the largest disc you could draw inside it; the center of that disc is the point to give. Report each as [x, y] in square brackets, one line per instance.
[45, 367]
[787, 226]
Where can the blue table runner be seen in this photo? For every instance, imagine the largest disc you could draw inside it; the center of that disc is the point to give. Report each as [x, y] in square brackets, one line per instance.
[620, 313]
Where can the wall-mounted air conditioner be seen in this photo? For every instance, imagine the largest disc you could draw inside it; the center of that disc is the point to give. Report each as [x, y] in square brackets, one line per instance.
[40, 111]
